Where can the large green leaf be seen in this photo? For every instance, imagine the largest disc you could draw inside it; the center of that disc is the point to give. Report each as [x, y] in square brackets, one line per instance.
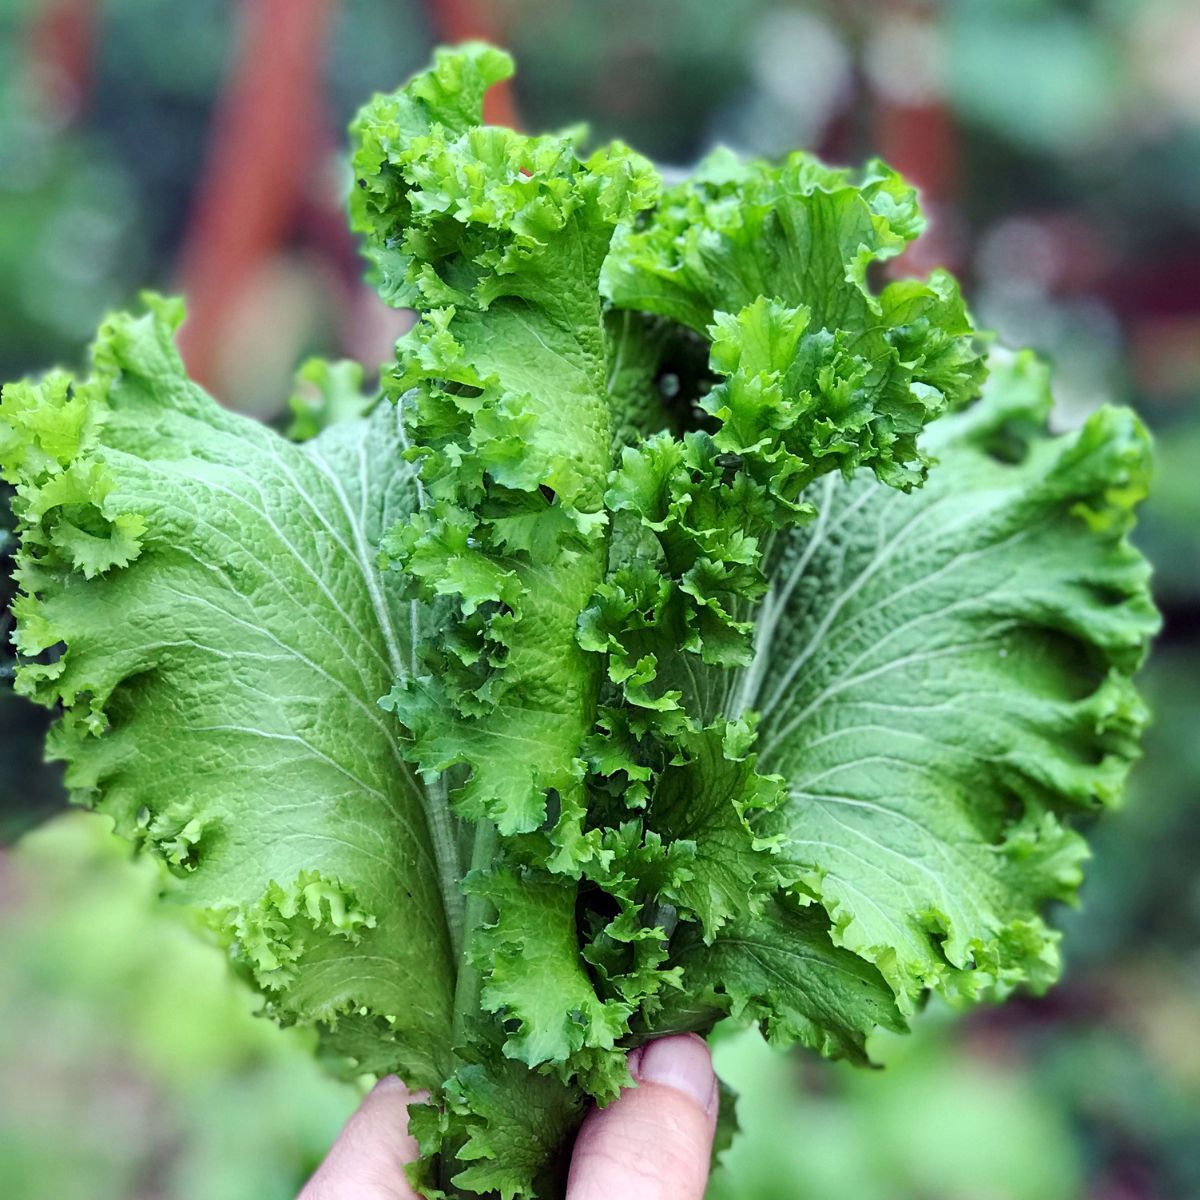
[943, 676]
[202, 599]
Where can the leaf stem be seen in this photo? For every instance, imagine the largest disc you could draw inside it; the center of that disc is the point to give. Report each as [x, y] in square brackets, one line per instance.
[444, 835]
[478, 910]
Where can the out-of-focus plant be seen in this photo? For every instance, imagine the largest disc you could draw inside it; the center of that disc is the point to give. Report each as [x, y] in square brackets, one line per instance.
[145, 1073]
[67, 238]
[1171, 534]
[937, 1121]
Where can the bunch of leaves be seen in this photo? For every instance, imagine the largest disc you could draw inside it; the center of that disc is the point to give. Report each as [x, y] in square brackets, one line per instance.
[687, 632]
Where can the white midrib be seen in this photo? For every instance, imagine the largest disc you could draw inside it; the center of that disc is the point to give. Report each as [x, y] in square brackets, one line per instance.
[434, 799]
[773, 607]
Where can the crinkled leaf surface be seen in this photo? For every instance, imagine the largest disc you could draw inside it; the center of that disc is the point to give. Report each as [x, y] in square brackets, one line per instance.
[781, 969]
[730, 658]
[944, 676]
[219, 675]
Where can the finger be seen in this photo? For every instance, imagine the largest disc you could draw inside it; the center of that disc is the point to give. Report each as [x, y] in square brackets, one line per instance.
[367, 1160]
[655, 1141]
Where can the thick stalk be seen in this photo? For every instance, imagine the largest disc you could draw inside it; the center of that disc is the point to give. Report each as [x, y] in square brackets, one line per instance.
[478, 910]
[469, 984]
[444, 835]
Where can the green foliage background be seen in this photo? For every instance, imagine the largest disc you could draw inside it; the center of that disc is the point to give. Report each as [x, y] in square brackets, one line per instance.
[131, 1065]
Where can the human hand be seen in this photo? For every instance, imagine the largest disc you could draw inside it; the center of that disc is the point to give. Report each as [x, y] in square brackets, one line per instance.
[653, 1143]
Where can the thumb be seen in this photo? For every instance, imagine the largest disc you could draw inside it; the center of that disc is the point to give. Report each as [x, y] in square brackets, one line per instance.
[367, 1160]
[655, 1141]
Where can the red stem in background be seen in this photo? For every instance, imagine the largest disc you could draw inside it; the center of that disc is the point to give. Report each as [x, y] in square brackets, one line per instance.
[463, 20]
[266, 133]
[61, 43]
[914, 131]
[920, 141]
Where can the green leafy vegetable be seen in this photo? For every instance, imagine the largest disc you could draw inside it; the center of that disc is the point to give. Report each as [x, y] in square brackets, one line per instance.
[620, 670]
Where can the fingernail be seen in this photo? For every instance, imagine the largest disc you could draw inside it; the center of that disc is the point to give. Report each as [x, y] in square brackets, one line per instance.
[680, 1062]
[389, 1083]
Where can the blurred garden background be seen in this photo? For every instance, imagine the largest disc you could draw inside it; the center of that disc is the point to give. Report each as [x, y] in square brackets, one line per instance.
[198, 146]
